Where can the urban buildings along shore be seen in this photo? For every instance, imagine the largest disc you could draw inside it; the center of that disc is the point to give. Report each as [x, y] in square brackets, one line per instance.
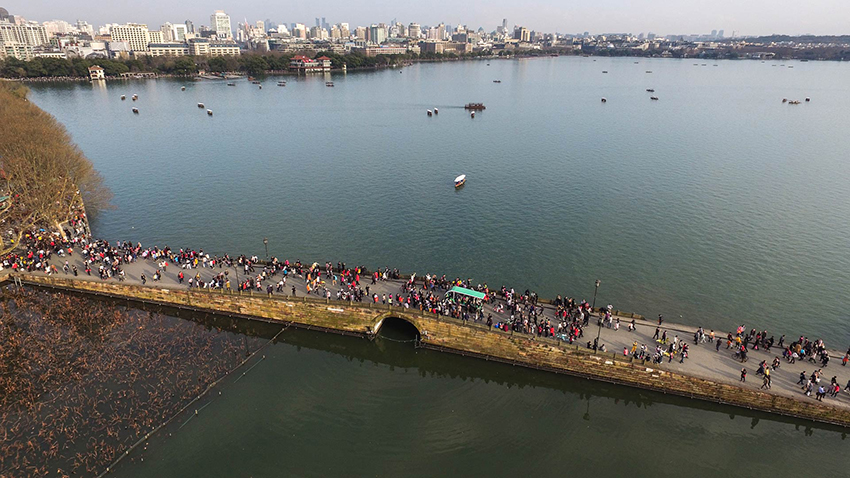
[25, 40]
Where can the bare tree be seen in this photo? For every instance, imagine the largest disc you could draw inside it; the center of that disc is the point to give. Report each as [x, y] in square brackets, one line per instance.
[44, 176]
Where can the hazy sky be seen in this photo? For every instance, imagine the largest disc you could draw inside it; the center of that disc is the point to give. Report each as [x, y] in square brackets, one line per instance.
[747, 17]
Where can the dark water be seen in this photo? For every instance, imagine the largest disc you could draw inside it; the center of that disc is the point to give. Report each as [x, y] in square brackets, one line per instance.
[323, 405]
[717, 202]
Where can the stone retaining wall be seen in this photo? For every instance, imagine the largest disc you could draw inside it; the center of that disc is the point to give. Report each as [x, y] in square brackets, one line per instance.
[449, 335]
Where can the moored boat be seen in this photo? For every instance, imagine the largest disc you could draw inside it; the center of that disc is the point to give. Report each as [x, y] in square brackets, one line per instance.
[209, 112]
[475, 106]
[200, 105]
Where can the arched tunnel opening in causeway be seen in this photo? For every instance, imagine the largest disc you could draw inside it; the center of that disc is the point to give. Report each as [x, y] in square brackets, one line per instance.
[395, 328]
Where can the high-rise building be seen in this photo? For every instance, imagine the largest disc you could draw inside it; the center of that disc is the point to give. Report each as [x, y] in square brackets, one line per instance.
[173, 32]
[31, 33]
[136, 35]
[17, 40]
[190, 27]
[522, 34]
[713, 33]
[720, 34]
[414, 31]
[377, 34]
[220, 23]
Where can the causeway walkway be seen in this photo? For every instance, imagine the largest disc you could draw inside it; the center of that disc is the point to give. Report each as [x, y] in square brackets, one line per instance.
[703, 362]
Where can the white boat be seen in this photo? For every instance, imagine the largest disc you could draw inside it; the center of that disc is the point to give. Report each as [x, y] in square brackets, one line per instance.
[460, 180]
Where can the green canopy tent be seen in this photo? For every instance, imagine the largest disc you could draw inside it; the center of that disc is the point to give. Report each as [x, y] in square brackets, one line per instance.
[466, 292]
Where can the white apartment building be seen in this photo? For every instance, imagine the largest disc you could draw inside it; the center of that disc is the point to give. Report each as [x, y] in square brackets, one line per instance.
[31, 34]
[18, 40]
[220, 22]
[135, 34]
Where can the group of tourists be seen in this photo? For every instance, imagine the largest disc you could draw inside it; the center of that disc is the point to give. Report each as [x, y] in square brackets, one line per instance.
[506, 309]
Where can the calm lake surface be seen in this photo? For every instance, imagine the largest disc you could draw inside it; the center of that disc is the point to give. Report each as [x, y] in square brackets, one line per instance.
[717, 202]
[324, 405]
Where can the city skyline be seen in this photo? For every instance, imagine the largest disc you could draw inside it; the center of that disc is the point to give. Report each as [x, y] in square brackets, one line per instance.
[758, 17]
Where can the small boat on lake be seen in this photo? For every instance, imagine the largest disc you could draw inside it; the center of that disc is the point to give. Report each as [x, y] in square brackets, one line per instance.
[430, 113]
[604, 100]
[281, 83]
[653, 98]
[182, 88]
[436, 111]
[497, 81]
[136, 110]
[209, 113]
[135, 97]
[200, 105]
[460, 180]
[329, 84]
[650, 90]
[123, 97]
[475, 106]
[231, 84]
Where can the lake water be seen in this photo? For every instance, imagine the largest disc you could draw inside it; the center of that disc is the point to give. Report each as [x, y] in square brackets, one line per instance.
[718, 203]
[324, 405]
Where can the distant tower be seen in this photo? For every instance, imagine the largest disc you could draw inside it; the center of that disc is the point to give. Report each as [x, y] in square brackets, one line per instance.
[190, 27]
[720, 34]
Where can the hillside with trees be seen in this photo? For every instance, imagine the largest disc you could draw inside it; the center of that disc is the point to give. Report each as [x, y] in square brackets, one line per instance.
[45, 180]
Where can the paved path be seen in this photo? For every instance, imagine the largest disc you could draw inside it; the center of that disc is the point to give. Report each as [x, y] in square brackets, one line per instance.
[704, 361]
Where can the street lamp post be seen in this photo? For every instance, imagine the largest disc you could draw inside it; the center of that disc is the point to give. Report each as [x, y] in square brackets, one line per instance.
[592, 308]
[266, 243]
[594, 293]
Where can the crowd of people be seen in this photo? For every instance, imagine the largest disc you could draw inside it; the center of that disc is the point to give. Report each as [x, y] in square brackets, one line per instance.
[506, 309]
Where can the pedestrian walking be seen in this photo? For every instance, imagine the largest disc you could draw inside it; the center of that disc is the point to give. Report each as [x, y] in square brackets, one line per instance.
[743, 375]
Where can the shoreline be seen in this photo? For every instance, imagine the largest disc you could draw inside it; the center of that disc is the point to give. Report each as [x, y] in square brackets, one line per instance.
[405, 63]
